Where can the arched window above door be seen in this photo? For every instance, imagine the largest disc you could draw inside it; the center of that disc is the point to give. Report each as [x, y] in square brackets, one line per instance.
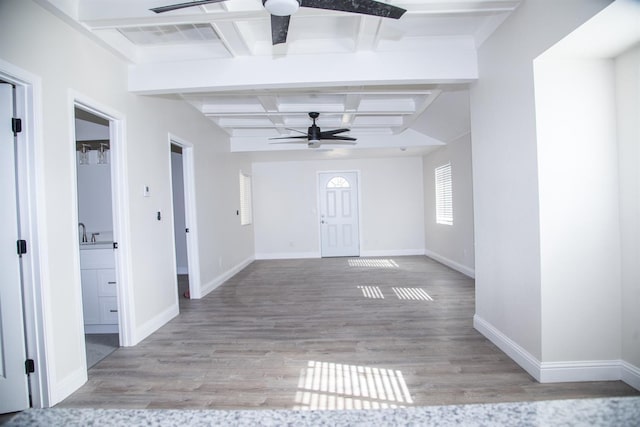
[338, 182]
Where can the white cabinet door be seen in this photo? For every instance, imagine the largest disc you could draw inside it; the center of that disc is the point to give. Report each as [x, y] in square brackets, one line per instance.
[90, 306]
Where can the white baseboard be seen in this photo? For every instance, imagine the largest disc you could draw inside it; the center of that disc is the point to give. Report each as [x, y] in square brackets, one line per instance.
[555, 372]
[63, 389]
[364, 253]
[467, 271]
[582, 370]
[519, 355]
[225, 276]
[393, 252]
[630, 374]
[155, 323]
[288, 255]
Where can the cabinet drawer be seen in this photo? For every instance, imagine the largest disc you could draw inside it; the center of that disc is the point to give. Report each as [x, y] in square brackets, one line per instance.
[109, 310]
[107, 283]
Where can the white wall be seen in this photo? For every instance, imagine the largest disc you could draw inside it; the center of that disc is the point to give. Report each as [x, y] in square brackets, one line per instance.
[505, 175]
[579, 209]
[285, 206]
[628, 108]
[69, 63]
[451, 244]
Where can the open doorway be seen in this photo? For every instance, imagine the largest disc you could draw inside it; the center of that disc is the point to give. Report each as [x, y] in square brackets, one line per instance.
[179, 221]
[95, 235]
[184, 221]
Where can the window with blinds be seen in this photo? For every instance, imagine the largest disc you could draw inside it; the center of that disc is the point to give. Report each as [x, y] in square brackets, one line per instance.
[444, 195]
[246, 210]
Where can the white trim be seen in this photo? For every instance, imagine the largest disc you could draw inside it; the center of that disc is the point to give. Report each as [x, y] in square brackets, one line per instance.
[553, 372]
[120, 209]
[226, 276]
[467, 271]
[391, 252]
[183, 270]
[70, 384]
[319, 204]
[519, 355]
[630, 374]
[190, 214]
[574, 371]
[37, 312]
[156, 322]
[288, 255]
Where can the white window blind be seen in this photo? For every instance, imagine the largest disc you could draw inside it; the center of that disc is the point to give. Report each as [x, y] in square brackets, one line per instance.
[444, 195]
[246, 210]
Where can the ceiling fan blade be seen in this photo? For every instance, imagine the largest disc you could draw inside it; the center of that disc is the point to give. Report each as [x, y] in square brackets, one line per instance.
[333, 131]
[365, 7]
[292, 137]
[171, 7]
[279, 29]
[290, 142]
[337, 138]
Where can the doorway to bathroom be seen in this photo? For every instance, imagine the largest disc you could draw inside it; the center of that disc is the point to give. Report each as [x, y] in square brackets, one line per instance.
[96, 235]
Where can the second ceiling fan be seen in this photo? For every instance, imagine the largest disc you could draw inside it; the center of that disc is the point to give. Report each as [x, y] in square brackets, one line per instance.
[315, 136]
[281, 11]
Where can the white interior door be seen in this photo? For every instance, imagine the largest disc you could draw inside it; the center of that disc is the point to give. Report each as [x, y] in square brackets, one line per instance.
[14, 390]
[339, 228]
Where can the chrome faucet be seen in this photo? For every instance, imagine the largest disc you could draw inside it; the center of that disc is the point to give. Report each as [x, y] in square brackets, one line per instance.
[84, 232]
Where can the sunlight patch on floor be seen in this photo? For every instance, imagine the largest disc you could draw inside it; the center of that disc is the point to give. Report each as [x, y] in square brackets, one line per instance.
[372, 263]
[416, 294]
[372, 292]
[327, 385]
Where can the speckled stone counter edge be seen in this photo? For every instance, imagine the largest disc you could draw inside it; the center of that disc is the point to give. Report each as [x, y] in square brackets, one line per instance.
[624, 411]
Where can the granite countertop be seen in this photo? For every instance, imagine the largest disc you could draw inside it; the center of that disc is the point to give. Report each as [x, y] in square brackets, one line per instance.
[619, 412]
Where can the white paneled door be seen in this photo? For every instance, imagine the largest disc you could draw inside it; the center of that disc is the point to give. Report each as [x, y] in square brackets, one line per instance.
[14, 391]
[339, 228]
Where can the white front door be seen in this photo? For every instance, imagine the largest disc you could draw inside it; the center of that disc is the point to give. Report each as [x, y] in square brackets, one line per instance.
[14, 390]
[339, 230]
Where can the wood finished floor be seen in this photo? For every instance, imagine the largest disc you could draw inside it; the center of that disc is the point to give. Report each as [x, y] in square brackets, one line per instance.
[314, 334]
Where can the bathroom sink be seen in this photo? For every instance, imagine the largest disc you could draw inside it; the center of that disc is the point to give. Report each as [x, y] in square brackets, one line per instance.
[96, 245]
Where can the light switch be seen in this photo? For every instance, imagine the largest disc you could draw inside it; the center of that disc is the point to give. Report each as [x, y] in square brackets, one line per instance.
[147, 191]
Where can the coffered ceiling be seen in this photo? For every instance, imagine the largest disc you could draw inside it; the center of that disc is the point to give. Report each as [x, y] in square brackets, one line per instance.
[397, 84]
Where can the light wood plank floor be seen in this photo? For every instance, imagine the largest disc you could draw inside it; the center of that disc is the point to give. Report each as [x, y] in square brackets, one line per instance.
[315, 334]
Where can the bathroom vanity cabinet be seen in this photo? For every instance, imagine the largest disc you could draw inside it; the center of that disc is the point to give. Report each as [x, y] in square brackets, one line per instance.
[99, 290]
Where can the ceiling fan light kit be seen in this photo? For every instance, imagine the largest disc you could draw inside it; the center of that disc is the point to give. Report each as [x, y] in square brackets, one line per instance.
[281, 7]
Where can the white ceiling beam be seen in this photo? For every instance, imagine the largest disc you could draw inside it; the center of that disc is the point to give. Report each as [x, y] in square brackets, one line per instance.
[368, 33]
[452, 61]
[231, 38]
[408, 121]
